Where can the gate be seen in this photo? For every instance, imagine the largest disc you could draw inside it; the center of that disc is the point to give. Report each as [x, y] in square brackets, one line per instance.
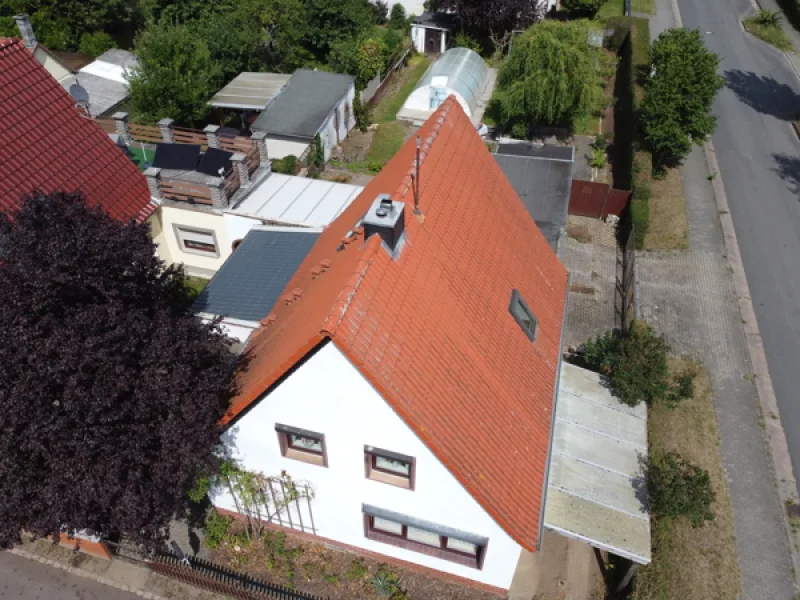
[597, 200]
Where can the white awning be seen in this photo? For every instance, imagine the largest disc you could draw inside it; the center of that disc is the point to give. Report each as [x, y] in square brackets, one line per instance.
[250, 91]
[596, 492]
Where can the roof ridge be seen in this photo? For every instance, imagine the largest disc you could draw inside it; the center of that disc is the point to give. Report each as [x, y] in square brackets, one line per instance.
[425, 148]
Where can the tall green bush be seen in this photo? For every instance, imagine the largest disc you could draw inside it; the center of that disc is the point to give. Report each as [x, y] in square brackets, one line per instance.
[677, 488]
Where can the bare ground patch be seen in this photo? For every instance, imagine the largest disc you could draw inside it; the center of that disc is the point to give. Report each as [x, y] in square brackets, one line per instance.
[689, 563]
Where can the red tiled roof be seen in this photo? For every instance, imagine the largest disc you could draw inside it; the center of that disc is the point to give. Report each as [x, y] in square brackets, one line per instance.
[45, 144]
[431, 330]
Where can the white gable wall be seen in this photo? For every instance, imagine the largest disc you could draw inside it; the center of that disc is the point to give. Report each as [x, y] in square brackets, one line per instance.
[328, 395]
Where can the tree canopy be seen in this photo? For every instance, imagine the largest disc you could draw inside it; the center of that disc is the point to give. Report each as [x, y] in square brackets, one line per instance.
[175, 75]
[676, 109]
[552, 76]
[479, 17]
[111, 390]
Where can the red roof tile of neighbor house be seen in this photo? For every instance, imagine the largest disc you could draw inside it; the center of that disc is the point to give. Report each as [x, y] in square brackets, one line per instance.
[431, 329]
[45, 144]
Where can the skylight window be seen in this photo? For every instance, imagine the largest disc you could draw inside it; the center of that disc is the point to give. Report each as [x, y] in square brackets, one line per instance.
[523, 315]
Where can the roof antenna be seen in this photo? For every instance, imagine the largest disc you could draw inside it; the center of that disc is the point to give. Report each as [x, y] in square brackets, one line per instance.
[416, 182]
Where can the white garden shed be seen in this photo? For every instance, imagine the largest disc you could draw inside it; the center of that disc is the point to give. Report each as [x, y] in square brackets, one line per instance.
[460, 72]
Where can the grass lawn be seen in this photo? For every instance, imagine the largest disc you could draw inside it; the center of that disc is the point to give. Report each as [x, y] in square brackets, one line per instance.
[691, 564]
[772, 34]
[387, 107]
[668, 228]
[386, 142]
[140, 156]
[616, 8]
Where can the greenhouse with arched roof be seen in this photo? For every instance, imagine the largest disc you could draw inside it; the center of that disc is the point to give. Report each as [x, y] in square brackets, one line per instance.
[460, 72]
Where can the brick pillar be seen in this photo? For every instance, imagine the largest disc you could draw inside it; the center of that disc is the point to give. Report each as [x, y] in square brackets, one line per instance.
[259, 138]
[211, 135]
[153, 175]
[121, 124]
[219, 198]
[165, 125]
[239, 161]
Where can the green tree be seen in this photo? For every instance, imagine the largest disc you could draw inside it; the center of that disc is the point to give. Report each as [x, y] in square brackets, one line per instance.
[362, 59]
[362, 113]
[175, 76]
[550, 77]
[234, 41]
[398, 18]
[333, 21]
[59, 24]
[676, 109]
[95, 43]
[679, 489]
[380, 10]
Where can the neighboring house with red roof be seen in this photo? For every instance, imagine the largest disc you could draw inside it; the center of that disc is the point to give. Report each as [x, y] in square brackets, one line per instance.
[47, 144]
[409, 371]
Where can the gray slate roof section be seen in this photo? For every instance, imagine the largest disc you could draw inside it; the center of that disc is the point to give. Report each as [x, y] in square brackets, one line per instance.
[104, 94]
[249, 283]
[122, 58]
[303, 105]
[436, 20]
[544, 187]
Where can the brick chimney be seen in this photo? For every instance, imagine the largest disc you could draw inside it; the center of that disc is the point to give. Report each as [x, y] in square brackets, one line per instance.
[26, 30]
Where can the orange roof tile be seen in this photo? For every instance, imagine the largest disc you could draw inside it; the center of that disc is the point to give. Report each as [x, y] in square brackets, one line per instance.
[431, 330]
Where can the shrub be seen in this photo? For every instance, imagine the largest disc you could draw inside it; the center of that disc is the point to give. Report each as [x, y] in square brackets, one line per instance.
[216, 527]
[598, 158]
[362, 114]
[678, 488]
[635, 362]
[582, 7]
[374, 166]
[286, 165]
[94, 44]
[317, 156]
[768, 18]
[385, 582]
[358, 570]
[464, 40]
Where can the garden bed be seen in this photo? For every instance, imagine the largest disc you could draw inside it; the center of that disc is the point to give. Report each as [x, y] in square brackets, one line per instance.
[315, 568]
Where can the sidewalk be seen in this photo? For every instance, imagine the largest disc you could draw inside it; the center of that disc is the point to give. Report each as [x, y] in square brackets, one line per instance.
[118, 574]
[690, 297]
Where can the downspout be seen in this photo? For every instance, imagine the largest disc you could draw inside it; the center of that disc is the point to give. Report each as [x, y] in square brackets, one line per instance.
[553, 420]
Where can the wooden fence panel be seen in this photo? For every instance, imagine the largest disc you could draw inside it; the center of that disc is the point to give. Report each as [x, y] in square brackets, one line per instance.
[145, 133]
[190, 192]
[190, 136]
[107, 125]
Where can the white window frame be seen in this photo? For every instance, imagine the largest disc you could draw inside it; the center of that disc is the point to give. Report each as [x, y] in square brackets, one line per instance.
[181, 232]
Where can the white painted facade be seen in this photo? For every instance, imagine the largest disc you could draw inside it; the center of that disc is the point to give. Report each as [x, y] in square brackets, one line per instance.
[329, 395]
[278, 147]
[418, 33]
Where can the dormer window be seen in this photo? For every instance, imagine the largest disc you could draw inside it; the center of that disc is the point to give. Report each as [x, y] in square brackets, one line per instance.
[523, 315]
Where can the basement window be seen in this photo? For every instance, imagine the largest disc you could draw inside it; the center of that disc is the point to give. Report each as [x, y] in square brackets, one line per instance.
[523, 315]
[197, 241]
[303, 445]
[424, 537]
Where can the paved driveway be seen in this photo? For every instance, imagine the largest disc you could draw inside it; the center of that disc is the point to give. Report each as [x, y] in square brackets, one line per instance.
[759, 156]
[25, 579]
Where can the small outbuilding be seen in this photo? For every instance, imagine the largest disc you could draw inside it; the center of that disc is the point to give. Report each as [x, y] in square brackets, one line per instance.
[431, 32]
[311, 103]
[459, 72]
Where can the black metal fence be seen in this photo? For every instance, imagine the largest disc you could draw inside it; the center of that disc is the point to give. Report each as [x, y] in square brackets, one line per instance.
[208, 575]
[626, 293]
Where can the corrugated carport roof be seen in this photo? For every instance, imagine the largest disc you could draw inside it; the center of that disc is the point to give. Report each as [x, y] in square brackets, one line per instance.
[250, 91]
[596, 491]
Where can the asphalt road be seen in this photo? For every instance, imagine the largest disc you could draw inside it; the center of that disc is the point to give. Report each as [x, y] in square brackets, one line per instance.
[24, 579]
[759, 158]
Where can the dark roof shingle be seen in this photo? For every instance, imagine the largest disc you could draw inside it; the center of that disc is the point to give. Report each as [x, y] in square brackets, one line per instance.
[303, 105]
[46, 145]
[251, 280]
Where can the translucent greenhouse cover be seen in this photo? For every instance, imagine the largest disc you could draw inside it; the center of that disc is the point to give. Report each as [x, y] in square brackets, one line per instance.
[464, 70]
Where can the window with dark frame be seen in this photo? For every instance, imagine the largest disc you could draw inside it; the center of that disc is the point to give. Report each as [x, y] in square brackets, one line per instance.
[196, 241]
[427, 541]
[389, 467]
[523, 315]
[303, 445]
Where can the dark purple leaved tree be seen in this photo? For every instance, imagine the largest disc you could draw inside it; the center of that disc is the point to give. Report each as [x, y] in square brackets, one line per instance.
[110, 390]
